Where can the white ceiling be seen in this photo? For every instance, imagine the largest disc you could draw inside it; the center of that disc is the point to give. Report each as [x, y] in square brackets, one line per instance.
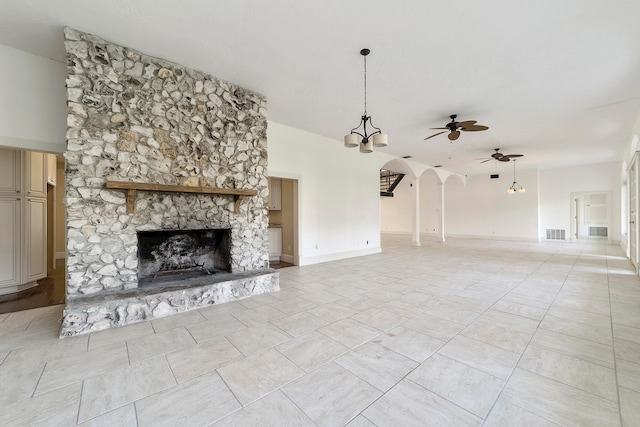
[555, 80]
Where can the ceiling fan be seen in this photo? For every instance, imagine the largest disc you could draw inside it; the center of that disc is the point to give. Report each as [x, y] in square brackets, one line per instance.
[454, 128]
[500, 157]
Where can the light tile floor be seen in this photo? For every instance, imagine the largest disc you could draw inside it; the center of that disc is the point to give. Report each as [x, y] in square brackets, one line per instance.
[467, 332]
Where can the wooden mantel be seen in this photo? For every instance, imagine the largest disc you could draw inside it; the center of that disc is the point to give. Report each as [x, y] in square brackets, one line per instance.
[132, 187]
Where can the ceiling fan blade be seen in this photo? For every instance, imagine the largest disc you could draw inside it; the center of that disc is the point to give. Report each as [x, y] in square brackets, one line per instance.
[440, 128]
[454, 135]
[511, 156]
[435, 134]
[475, 128]
[466, 123]
[504, 159]
[485, 161]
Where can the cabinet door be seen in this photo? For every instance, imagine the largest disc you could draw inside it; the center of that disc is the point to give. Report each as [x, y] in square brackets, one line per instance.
[35, 253]
[10, 242]
[275, 194]
[52, 169]
[36, 185]
[10, 171]
[275, 243]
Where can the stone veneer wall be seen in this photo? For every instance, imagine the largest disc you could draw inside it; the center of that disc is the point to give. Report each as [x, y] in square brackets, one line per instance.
[135, 118]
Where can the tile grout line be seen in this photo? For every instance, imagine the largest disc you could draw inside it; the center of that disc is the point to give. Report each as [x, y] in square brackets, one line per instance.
[515, 366]
[613, 344]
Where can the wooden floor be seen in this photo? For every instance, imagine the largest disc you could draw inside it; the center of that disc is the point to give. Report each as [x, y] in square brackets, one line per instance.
[50, 291]
[279, 264]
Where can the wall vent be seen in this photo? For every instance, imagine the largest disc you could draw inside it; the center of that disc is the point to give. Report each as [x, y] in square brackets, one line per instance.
[495, 176]
[598, 231]
[554, 234]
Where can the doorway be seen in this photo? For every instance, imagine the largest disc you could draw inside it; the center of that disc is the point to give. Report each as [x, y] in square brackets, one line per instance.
[50, 288]
[283, 221]
[591, 215]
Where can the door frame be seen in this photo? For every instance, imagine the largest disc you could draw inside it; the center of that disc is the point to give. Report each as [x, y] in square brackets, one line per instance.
[297, 182]
[632, 211]
[576, 201]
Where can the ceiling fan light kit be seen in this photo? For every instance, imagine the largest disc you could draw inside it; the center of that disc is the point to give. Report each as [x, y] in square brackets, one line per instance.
[363, 138]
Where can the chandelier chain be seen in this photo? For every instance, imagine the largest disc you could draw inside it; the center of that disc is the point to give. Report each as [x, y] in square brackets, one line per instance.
[365, 85]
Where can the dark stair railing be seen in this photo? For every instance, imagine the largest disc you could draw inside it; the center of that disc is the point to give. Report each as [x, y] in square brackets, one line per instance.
[388, 182]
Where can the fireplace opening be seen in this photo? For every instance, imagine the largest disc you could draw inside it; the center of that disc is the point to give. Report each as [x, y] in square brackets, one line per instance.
[174, 255]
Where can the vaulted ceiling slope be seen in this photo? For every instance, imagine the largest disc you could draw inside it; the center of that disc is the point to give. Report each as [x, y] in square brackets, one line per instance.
[555, 80]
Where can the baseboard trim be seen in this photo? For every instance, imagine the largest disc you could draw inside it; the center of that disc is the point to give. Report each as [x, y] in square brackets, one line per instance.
[338, 256]
[17, 288]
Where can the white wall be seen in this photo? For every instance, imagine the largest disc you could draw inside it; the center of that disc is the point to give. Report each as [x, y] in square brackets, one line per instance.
[33, 111]
[397, 211]
[556, 186]
[483, 208]
[430, 203]
[339, 193]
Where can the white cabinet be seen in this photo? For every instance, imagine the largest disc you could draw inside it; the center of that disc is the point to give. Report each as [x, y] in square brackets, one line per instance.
[275, 244]
[52, 169]
[23, 218]
[10, 270]
[35, 253]
[275, 194]
[10, 172]
[35, 174]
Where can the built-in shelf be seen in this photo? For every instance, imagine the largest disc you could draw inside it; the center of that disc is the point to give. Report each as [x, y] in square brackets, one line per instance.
[133, 187]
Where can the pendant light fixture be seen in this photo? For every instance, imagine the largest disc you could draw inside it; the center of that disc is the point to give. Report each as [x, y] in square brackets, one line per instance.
[515, 186]
[366, 140]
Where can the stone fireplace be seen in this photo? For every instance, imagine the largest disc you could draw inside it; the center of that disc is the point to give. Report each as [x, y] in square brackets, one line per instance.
[166, 173]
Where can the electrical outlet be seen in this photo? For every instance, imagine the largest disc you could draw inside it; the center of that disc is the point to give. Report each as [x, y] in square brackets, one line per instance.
[367, 242]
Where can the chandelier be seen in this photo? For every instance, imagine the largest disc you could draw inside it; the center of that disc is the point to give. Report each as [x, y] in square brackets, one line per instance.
[356, 137]
[515, 186]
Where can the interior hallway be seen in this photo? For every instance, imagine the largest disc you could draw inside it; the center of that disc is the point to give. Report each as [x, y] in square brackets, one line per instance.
[467, 332]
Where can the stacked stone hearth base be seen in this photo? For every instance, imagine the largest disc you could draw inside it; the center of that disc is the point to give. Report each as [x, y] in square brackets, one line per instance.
[90, 314]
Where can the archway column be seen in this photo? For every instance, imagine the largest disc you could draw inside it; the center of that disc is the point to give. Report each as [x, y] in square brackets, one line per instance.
[441, 187]
[415, 235]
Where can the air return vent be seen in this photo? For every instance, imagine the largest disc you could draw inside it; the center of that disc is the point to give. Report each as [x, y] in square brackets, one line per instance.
[555, 234]
[598, 231]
